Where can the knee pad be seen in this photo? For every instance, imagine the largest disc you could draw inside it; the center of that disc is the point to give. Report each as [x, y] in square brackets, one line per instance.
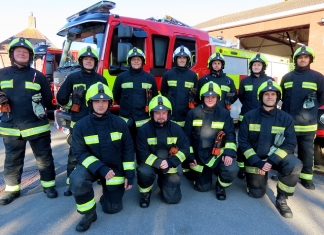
[171, 195]
[110, 208]
[256, 193]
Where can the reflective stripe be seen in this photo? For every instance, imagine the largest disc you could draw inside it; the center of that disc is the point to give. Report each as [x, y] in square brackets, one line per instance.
[288, 85]
[182, 123]
[308, 128]
[35, 130]
[116, 180]
[189, 84]
[240, 164]
[172, 140]
[80, 84]
[129, 165]
[197, 122]
[6, 84]
[145, 190]
[152, 141]
[91, 139]
[305, 176]
[9, 131]
[68, 105]
[146, 85]
[67, 180]
[116, 136]
[248, 153]
[191, 149]
[48, 184]
[214, 159]
[217, 125]
[125, 119]
[180, 155]
[223, 184]
[185, 170]
[86, 206]
[241, 117]
[89, 160]
[225, 88]
[127, 85]
[198, 168]
[309, 85]
[254, 127]
[172, 83]
[285, 188]
[141, 122]
[172, 170]
[15, 188]
[32, 86]
[248, 87]
[151, 159]
[251, 170]
[230, 145]
[277, 129]
[72, 124]
[281, 153]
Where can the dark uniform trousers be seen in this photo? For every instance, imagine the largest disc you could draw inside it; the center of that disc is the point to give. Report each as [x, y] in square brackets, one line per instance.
[306, 153]
[81, 186]
[288, 173]
[168, 183]
[72, 162]
[15, 154]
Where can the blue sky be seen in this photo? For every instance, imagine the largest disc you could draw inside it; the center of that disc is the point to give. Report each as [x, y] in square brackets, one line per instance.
[51, 15]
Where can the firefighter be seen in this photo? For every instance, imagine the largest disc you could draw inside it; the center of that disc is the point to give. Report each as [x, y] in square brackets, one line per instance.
[302, 95]
[162, 146]
[216, 64]
[267, 138]
[103, 147]
[24, 92]
[211, 132]
[133, 90]
[248, 95]
[179, 85]
[76, 84]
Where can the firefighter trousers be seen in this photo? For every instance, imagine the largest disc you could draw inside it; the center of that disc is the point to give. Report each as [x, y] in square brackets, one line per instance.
[71, 161]
[168, 183]
[14, 161]
[288, 173]
[306, 155]
[81, 180]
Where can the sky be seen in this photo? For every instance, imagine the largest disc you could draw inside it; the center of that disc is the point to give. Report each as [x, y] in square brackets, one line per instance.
[51, 15]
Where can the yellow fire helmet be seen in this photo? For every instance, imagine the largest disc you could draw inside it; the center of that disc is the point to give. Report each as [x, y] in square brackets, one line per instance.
[135, 52]
[210, 89]
[214, 57]
[99, 91]
[160, 102]
[259, 58]
[88, 51]
[269, 86]
[21, 42]
[304, 50]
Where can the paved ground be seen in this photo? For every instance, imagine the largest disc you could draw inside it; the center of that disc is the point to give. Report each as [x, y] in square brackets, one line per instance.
[197, 213]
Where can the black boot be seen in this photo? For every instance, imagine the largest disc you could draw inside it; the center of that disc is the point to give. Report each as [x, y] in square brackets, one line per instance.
[8, 197]
[241, 173]
[67, 191]
[86, 221]
[308, 184]
[220, 192]
[50, 192]
[145, 200]
[283, 207]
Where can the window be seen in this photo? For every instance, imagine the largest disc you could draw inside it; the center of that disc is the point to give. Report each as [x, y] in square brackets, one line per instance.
[234, 65]
[190, 43]
[160, 50]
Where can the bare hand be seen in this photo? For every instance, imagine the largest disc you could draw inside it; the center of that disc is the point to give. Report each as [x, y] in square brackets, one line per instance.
[227, 160]
[126, 186]
[267, 167]
[194, 163]
[109, 175]
[164, 164]
[261, 172]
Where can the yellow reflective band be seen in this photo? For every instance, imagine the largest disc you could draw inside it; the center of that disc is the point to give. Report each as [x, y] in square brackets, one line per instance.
[241, 117]
[172, 83]
[172, 140]
[89, 160]
[32, 86]
[35, 130]
[191, 149]
[80, 84]
[6, 84]
[281, 153]
[128, 165]
[248, 153]
[230, 145]
[125, 119]
[146, 85]
[197, 122]
[306, 176]
[127, 85]
[152, 141]
[91, 139]
[308, 128]
[288, 85]
[310, 85]
[254, 127]
[68, 105]
[248, 87]
[14, 188]
[198, 168]
[172, 170]
[67, 180]
[240, 164]
[9, 131]
[217, 125]
[180, 155]
[86, 206]
[223, 184]
[185, 170]
[141, 122]
[72, 124]
[48, 184]
[225, 88]
[189, 84]
[145, 190]
[277, 129]
[116, 136]
[182, 123]
[116, 180]
[214, 159]
[285, 188]
[251, 170]
[150, 160]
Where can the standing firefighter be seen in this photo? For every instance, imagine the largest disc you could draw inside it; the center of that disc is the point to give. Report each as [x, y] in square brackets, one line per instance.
[303, 94]
[248, 95]
[76, 84]
[267, 139]
[211, 131]
[133, 90]
[24, 92]
[103, 147]
[162, 146]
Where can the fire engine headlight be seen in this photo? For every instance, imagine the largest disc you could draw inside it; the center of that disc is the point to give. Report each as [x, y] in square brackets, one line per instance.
[321, 119]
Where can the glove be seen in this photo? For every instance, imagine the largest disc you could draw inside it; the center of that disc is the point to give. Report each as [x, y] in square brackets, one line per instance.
[77, 96]
[309, 101]
[229, 96]
[5, 107]
[37, 106]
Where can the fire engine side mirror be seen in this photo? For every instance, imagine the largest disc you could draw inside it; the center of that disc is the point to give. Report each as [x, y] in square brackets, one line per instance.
[125, 31]
[123, 49]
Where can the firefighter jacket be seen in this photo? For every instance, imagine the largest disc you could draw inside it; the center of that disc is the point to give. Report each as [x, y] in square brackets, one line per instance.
[104, 143]
[248, 92]
[296, 86]
[80, 78]
[258, 131]
[20, 84]
[176, 84]
[152, 137]
[202, 126]
[130, 93]
[225, 83]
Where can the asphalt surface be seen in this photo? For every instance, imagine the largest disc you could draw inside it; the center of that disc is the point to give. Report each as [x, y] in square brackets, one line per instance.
[197, 213]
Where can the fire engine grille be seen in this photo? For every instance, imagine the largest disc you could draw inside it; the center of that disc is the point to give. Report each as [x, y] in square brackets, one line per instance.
[29, 179]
